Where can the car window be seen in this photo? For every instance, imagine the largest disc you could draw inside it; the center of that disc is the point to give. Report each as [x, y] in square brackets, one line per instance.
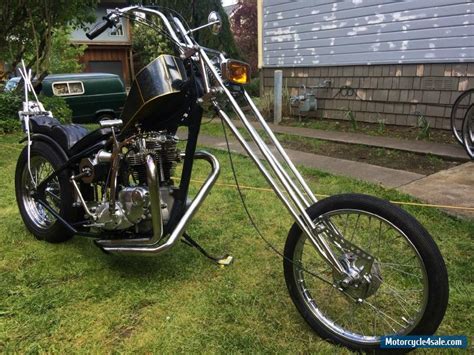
[68, 88]
[76, 88]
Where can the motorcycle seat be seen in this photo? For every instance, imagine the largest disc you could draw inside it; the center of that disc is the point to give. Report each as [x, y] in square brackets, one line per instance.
[73, 138]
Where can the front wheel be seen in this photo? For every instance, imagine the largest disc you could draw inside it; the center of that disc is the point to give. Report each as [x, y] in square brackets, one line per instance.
[403, 285]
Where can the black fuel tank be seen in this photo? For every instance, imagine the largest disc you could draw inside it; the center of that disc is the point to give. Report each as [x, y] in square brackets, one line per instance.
[155, 100]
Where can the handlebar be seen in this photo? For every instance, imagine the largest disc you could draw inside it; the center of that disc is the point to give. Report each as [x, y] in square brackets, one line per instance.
[99, 28]
[175, 31]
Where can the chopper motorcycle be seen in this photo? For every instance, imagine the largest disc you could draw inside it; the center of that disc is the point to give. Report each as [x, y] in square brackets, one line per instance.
[356, 267]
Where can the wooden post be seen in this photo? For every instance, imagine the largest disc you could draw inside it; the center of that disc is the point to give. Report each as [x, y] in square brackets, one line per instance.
[278, 88]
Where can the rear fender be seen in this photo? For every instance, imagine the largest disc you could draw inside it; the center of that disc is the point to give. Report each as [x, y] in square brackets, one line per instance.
[48, 140]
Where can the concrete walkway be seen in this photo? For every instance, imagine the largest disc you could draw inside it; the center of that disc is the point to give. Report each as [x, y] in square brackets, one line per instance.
[387, 177]
[453, 187]
[451, 151]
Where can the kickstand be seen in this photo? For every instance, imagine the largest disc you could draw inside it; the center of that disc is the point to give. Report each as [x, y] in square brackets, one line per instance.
[225, 260]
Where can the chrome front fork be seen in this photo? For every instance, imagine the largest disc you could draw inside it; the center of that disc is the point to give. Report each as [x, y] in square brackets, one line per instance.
[296, 199]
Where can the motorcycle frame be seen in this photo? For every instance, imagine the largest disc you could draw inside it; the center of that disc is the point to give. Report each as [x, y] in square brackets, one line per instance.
[179, 207]
[295, 198]
[287, 183]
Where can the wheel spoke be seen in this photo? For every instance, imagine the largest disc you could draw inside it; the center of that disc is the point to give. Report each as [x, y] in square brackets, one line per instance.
[385, 315]
[394, 305]
[355, 228]
[345, 225]
[400, 301]
[374, 323]
[396, 264]
[40, 170]
[54, 196]
[403, 272]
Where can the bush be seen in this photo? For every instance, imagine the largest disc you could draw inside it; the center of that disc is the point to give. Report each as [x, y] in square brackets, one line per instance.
[253, 88]
[9, 126]
[11, 103]
[58, 106]
[265, 103]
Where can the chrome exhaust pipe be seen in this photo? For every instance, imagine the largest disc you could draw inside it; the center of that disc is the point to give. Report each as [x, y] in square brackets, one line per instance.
[153, 182]
[153, 247]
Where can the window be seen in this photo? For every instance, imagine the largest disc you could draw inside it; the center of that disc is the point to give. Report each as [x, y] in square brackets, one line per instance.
[68, 88]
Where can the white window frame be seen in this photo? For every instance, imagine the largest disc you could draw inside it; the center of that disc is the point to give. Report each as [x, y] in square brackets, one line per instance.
[68, 88]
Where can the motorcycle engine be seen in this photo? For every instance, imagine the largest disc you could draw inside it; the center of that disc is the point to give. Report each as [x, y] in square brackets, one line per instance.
[162, 146]
[132, 207]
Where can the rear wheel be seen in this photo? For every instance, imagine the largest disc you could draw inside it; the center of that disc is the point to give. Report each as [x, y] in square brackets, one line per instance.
[468, 132]
[458, 112]
[403, 284]
[58, 193]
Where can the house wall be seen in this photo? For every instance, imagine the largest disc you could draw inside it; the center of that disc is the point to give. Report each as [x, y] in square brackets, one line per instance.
[396, 94]
[112, 58]
[108, 53]
[122, 37]
[402, 58]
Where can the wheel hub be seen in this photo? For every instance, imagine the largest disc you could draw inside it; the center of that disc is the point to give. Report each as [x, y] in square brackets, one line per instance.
[362, 278]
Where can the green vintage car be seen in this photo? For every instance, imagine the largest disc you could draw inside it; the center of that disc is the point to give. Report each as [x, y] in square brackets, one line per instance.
[91, 96]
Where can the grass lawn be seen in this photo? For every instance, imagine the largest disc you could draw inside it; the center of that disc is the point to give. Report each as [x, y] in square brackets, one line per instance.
[376, 129]
[72, 297]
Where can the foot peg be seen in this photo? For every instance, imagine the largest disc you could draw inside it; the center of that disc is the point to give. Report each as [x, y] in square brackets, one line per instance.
[222, 261]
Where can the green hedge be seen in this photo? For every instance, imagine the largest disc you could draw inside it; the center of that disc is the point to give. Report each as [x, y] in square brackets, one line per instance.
[11, 103]
[58, 106]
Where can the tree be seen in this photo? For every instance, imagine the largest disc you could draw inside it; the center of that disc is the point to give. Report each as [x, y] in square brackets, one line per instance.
[147, 45]
[244, 24]
[64, 57]
[28, 28]
[225, 40]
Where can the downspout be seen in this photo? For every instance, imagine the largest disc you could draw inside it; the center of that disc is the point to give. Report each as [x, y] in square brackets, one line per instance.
[260, 43]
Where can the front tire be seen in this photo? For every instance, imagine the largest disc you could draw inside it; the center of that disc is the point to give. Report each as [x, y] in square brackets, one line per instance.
[408, 292]
[58, 193]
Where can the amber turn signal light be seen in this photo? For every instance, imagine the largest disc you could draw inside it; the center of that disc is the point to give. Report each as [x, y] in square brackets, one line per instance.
[236, 72]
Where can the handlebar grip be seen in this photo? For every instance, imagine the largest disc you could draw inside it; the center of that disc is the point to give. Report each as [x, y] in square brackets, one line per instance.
[99, 28]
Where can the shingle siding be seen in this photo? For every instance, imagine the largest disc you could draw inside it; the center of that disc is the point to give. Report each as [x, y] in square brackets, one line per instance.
[322, 33]
[396, 93]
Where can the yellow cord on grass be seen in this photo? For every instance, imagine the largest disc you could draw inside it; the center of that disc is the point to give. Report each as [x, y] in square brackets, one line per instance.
[322, 195]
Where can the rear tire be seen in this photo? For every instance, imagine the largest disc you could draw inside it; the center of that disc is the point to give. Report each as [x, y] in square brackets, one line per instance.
[468, 132]
[461, 104]
[42, 224]
[321, 305]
